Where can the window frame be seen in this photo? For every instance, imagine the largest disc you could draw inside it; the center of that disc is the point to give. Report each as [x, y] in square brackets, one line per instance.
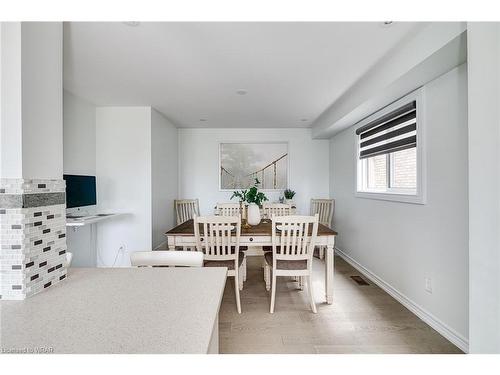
[394, 194]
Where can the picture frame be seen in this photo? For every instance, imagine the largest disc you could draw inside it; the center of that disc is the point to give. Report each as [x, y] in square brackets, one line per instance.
[241, 162]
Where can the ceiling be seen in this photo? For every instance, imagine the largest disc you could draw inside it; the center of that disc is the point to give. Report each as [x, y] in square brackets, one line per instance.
[191, 72]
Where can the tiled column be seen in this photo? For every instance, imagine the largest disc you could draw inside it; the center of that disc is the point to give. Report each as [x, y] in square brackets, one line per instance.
[33, 231]
[32, 191]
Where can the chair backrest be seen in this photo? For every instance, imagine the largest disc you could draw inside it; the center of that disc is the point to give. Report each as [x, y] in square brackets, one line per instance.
[229, 209]
[185, 209]
[294, 237]
[166, 258]
[325, 209]
[218, 237]
[277, 209]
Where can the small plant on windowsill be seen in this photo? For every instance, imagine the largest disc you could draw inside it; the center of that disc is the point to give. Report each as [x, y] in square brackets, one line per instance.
[289, 194]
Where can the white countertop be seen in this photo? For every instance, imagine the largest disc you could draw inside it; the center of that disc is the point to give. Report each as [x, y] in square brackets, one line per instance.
[118, 310]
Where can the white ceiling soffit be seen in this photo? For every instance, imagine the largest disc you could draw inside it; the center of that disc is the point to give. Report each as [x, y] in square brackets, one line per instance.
[438, 48]
[216, 74]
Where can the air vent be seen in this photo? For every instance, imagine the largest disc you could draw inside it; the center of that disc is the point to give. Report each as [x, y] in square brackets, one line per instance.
[359, 280]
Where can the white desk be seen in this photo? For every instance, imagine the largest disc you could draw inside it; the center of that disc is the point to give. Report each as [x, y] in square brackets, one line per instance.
[120, 310]
[92, 221]
[89, 219]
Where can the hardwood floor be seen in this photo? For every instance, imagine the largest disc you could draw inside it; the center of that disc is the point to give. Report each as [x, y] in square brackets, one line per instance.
[362, 319]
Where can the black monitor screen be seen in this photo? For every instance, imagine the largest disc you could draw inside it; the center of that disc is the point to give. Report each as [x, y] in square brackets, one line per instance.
[80, 190]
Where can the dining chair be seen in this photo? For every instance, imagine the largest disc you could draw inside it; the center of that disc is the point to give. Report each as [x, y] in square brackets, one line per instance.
[233, 209]
[293, 239]
[166, 258]
[229, 209]
[325, 209]
[277, 209]
[219, 241]
[185, 209]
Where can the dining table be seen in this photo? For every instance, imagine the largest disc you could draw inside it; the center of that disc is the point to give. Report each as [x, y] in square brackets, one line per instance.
[255, 237]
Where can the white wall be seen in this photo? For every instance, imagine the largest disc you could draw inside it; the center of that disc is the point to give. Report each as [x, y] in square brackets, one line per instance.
[31, 122]
[164, 169]
[123, 166]
[42, 102]
[79, 158]
[199, 163]
[79, 136]
[484, 186]
[403, 243]
[11, 150]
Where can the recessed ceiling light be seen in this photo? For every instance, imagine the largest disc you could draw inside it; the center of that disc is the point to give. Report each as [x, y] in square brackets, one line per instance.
[132, 23]
[241, 92]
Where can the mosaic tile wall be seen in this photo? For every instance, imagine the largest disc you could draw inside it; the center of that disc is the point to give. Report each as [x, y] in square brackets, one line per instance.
[32, 236]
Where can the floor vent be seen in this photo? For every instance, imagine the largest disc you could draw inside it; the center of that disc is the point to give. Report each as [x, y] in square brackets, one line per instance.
[359, 280]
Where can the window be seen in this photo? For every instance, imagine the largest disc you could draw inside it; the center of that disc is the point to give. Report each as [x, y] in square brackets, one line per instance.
[389, 152]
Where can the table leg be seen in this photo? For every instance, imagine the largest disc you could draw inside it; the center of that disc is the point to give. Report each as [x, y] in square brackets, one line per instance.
[329, 273]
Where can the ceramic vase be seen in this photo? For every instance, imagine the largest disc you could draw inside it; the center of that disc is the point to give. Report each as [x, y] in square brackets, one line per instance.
[253, 214]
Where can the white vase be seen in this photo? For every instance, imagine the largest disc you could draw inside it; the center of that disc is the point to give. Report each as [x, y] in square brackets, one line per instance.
[289, 201]
[253, 214]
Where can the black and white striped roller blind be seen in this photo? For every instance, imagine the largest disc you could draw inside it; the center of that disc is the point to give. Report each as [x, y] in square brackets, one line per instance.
[395, 131]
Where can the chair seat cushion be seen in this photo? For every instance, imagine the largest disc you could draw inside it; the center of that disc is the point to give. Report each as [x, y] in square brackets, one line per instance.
[285, 264]
[224, 263]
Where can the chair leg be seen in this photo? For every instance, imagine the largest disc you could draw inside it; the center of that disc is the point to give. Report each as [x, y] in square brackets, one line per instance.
[267, 277]
[321, 252]
[237, 292]
[273, 293]
[301, 282]
[240, 278]
[309, 286]
[244, 265]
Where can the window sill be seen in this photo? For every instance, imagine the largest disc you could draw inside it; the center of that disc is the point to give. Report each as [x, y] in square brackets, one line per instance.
[394, 197]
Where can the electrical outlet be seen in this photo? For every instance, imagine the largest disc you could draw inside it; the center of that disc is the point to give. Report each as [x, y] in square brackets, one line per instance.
[428, 284]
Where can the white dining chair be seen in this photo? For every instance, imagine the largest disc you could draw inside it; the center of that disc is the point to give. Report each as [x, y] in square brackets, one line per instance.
[229, 209]
[166, 258]
[325, 208]
[219, 241]
[276, 209]
[234, 209]
[185, 209]
[293, 239]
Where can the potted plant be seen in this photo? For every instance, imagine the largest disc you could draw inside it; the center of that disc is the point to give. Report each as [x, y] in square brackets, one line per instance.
[254, 198]
[289, 194]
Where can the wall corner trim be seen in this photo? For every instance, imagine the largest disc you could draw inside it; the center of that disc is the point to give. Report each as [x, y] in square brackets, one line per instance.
[450, 334]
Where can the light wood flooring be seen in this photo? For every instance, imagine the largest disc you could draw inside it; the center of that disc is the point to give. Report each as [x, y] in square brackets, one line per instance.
[362, 319]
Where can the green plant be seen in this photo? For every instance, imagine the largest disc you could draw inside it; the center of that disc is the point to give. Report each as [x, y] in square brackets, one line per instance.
[289, 194]
[242, 195]
[252, 195]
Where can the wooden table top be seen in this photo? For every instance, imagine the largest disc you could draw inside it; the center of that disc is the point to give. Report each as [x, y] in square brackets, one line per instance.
[262, 229]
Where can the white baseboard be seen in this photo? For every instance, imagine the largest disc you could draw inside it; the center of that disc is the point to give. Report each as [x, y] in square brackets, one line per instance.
[450, 334]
